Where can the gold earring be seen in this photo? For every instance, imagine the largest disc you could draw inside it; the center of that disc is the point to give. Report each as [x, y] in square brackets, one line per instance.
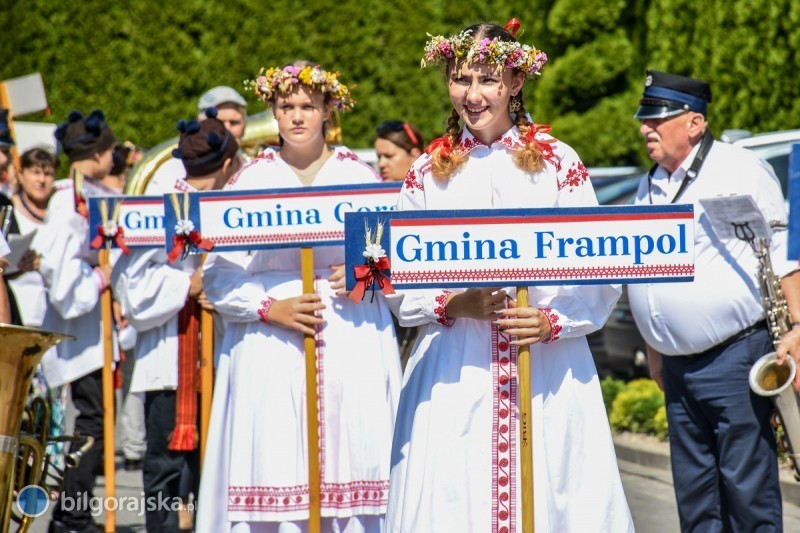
[514, 104]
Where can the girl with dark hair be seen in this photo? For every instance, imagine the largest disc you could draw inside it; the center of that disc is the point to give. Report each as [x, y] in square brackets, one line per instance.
[398, 144]
[455, 452]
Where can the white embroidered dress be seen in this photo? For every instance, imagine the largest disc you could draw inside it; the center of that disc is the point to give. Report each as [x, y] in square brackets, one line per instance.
[455, 456]
[152, 293]
[255, 469]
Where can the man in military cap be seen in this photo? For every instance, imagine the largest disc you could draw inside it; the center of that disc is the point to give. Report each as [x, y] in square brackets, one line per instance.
[703, 337]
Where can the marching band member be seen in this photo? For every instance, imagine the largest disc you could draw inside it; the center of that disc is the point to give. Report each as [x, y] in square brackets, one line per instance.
[455, 449]
[162, 300]
[256, 465]
[75, 283]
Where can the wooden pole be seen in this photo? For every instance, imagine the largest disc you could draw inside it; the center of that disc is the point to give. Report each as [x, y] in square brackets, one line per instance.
[525, 424]
[312, 409]
[206, 376]
[108, 399]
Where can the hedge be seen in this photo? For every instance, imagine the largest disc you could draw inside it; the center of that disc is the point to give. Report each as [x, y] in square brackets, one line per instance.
[145, 62]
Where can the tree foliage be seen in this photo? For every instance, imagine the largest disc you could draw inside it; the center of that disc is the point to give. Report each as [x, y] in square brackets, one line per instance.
[145, 62]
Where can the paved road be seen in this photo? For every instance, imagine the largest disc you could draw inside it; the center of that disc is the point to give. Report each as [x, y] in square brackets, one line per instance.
[649, 492]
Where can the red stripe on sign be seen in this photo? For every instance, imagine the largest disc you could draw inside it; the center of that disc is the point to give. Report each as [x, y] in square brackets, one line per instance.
[312, 194]
[536, 220]
[126, 201]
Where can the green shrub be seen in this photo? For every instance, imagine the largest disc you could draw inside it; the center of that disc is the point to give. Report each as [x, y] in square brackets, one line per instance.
[660, 423]
[635, 408]
[610, 387]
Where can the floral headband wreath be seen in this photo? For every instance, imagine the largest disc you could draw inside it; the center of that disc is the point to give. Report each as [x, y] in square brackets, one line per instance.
[282, 80]
[504, 54]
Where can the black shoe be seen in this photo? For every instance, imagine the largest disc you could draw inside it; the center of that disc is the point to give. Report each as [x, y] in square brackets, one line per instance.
[133, 464]
[57, 526]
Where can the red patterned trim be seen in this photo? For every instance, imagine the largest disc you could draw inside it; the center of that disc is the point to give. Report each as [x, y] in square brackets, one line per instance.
[504, 433]
[356, 494]
[344, 153]
[577, 175]
[412, 182]
[555, 328]
[510, 274]
[441, 310]
[267, 156]
[151, 240]
[265, 238]
[263, 312]
[181, 186]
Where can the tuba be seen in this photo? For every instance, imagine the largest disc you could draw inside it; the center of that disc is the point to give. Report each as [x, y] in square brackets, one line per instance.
[767, 377]
[21, 456]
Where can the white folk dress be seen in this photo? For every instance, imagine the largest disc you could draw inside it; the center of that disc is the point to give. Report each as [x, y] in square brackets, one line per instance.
[152, 292]
[455, 455]
[255, 469]
[67, 267]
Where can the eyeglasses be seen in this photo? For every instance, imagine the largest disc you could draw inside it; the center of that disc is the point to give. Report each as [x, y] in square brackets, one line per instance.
[397, 125]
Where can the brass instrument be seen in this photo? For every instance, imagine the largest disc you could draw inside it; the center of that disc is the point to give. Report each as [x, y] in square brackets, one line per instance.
[767, 377]
[261, 131]
[21, 350]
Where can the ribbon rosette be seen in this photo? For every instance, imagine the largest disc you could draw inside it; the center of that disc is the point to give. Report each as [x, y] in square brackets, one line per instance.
[186, 239]
[371, 272]
[109, 230]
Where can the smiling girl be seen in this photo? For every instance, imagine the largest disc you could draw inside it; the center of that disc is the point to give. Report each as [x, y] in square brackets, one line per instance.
[455, 451]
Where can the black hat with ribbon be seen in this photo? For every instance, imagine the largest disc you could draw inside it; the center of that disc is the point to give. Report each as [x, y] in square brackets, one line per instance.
[204, 146]
[81, 137]
[668, 94]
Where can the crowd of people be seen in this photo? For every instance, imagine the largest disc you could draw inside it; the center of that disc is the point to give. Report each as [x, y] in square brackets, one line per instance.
[417, 426]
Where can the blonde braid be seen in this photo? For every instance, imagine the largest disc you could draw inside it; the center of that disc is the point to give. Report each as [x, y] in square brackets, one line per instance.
[443, 167]
[530, 158]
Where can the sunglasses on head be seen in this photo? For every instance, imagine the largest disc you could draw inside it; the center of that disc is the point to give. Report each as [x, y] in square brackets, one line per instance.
[397, 125]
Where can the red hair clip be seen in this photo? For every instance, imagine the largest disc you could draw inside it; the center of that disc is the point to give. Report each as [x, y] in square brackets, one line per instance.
[512, 26]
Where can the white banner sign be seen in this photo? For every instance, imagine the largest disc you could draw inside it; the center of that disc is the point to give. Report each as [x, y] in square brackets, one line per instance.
[629, 244]
[139, 220]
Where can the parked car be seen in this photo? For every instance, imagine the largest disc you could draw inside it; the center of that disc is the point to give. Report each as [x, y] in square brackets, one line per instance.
[618, 348]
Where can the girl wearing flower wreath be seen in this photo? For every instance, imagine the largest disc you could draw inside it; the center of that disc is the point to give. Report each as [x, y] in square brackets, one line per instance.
[255, 475]
[455, 455]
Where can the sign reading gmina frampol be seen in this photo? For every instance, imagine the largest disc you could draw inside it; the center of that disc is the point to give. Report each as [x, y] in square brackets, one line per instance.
[483, 248]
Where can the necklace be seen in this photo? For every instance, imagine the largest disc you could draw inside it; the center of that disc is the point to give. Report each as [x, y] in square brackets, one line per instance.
[28, 208]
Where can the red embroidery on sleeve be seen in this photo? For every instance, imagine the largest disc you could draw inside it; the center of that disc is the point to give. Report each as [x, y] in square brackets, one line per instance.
[555, 329]
[441, 310]
[412, 182]
[264, 311]
[576, 176]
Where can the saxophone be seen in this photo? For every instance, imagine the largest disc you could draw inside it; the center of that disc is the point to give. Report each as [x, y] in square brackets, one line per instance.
[767, 377]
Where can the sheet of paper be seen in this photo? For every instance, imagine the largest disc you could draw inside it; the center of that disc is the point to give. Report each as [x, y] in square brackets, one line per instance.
[736, 217]
[19, 245]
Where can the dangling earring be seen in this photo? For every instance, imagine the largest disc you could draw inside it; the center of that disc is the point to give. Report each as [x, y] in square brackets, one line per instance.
[514, 104]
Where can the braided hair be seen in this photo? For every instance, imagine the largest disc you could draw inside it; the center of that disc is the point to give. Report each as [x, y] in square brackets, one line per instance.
[445, 162]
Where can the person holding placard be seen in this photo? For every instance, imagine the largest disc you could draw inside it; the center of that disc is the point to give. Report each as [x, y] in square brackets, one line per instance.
[455, 451]
[255, 473]
[703, 337]
[162, 300]
[75, 284]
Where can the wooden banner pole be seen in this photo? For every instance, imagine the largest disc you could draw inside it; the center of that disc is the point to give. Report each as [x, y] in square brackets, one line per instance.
[108, 398]
[206, 376]
[312, 408]
[525, 424]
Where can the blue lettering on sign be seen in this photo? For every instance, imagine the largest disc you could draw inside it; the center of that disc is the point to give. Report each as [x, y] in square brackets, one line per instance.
[622, 245]
[347, 207]
[410, 248]
[135, 220]
[236, 217]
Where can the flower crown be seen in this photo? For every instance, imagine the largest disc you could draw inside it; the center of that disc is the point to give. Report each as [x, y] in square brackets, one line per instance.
[504, 54]
[281, 81]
